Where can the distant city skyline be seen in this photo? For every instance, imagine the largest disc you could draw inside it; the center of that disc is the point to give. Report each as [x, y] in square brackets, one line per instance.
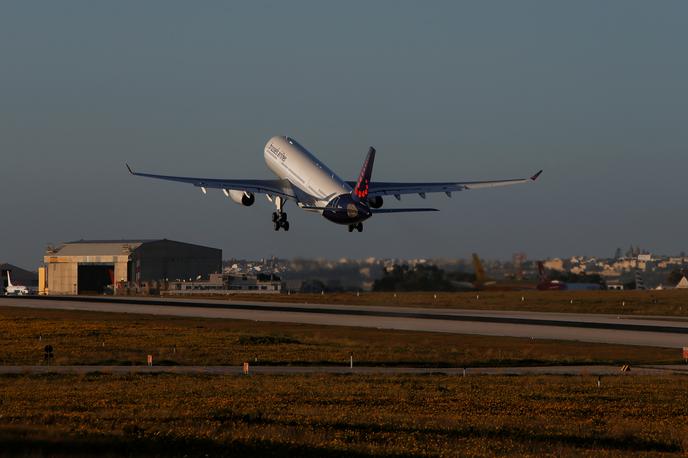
[594, 93]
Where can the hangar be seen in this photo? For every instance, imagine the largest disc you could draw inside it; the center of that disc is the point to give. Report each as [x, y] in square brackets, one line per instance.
[97, 266]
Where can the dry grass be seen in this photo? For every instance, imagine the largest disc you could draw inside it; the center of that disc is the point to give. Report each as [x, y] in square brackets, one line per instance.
[670, 302]
[317, 415]
[93, 338]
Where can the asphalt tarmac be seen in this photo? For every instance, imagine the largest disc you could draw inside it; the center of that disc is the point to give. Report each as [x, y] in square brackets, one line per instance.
[630, 330]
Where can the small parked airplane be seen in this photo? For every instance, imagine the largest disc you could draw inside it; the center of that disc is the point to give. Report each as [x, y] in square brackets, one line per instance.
[316, 188]
[17, 290]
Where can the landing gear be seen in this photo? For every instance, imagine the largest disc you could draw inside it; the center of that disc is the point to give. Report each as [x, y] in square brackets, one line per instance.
[280, 221]
[358, 227]
[279, 218]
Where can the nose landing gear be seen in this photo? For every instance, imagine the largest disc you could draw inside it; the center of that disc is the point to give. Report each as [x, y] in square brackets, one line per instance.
[358, 227]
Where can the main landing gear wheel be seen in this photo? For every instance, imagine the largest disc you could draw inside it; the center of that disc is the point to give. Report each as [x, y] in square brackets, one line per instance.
[279, 218]
[358, 227]
[280, 221]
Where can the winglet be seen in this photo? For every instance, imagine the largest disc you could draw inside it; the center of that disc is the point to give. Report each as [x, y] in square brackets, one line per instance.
[535, 177]
[129, 168]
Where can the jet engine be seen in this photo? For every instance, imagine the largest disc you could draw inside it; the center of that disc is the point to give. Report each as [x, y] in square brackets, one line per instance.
[242, 197]
[375, 202]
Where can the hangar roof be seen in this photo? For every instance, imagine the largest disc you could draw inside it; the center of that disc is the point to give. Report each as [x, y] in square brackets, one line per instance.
[120, 241]
[98, 247]
[105, 247]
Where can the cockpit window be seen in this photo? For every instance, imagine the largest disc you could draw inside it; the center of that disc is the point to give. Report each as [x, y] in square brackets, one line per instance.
[293, 142]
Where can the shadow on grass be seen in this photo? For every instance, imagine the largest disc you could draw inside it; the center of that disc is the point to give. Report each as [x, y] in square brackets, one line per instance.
[17, 443]
[596, 440]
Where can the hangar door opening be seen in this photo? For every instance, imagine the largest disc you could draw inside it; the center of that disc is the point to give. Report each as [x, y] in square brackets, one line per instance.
[95, 278]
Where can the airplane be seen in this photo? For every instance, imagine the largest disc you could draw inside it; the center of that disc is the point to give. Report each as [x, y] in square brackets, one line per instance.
[481, 278]
[484, 283]
[314, 187]
[546, 284]
[17, 290]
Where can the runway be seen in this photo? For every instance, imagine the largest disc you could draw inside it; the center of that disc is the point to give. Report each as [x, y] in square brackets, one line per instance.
[630, 330]
[342, 370]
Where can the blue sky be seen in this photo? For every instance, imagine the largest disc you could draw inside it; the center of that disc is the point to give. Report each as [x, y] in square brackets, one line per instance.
[592, 92]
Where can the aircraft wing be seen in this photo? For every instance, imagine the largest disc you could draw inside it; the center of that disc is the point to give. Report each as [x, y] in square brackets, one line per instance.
[273, 187]
[381, 188]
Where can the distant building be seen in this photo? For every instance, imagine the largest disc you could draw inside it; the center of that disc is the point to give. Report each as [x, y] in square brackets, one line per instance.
[615, 285]
[259, 282]
[212, 285]
[229, 283]
[100, 266]
[554, 264]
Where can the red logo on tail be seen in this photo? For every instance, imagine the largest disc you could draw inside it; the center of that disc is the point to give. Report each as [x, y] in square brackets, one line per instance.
[363, 183]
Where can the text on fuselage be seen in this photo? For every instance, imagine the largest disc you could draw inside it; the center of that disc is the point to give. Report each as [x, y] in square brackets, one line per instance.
[276, 152]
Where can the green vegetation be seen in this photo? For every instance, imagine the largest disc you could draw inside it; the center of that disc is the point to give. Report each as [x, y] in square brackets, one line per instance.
[570, 277]
[92, 338]
[675, 276]
[421, 278]
[267, 340]
[345, 415]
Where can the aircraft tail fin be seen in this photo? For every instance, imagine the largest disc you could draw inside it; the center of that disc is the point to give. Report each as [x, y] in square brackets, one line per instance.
[480, 276]
[541, 272]
[363, 183]
[9, 282]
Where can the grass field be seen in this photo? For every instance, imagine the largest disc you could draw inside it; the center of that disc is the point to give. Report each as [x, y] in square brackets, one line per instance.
[93, 338]
[319, 414]
[670, 302]
[347, 415]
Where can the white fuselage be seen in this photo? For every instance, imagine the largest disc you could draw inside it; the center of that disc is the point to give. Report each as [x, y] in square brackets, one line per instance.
[313, 182]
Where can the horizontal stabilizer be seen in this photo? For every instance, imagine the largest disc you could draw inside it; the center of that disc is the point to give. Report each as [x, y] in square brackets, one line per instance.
[403, 210]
